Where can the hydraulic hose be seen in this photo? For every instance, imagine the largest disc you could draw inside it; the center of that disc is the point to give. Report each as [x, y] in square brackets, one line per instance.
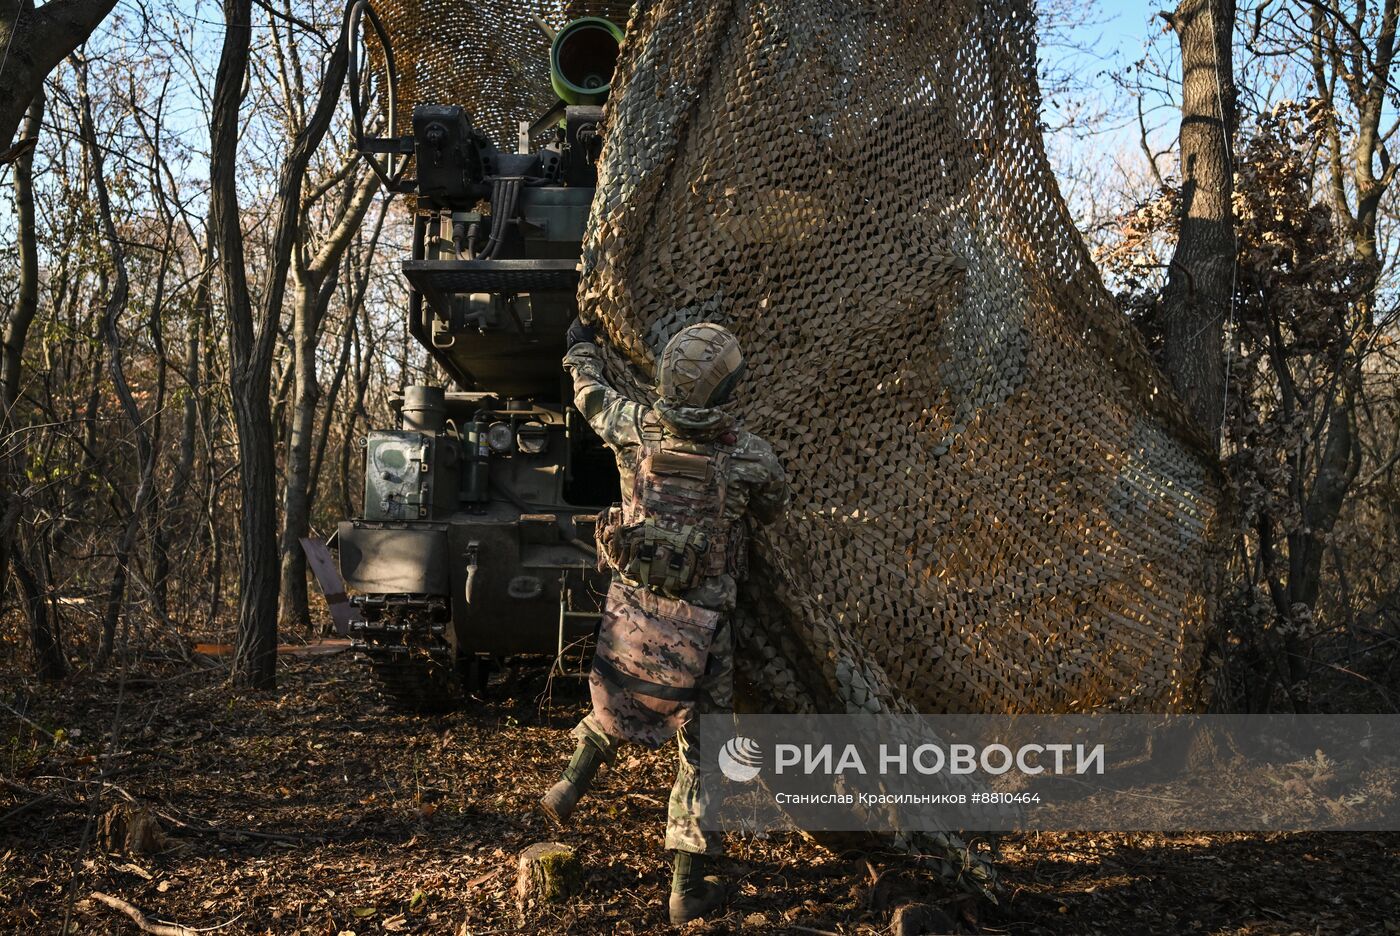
[505, 196]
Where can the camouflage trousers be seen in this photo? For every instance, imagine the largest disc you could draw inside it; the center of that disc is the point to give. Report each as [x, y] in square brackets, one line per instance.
[697, 770]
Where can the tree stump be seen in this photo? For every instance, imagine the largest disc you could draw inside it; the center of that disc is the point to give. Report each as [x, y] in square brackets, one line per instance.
[920, 919]
[549, 872]
[131, 829]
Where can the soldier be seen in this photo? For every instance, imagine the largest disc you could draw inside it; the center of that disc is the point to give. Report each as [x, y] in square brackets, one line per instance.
[677, 548]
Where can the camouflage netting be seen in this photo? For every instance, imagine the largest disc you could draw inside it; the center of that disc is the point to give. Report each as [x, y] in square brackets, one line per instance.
[491, 56]
[999, 506]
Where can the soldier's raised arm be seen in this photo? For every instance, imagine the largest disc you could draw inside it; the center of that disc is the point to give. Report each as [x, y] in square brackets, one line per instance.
[772, 495]
[613, 416]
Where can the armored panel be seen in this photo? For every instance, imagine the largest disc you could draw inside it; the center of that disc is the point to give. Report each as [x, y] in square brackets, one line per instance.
[384, 559]
[510, 346]
[513, 597]
[556, 215]
[409, 475]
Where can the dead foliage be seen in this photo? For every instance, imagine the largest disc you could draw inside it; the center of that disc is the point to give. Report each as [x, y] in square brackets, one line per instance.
[319, 810]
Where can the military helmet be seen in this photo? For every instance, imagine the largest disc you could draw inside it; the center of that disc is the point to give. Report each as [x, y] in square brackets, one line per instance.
[699, 366]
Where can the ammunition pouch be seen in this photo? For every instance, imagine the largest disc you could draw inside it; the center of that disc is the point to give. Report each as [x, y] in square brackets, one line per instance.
[666, 560]
[605, 533]
[673, 533]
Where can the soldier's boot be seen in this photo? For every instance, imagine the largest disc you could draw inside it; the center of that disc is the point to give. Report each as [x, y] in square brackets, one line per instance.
[558, 804]
[694, 894]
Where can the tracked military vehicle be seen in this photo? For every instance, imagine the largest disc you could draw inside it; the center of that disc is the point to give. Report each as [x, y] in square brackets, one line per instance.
[475, 541]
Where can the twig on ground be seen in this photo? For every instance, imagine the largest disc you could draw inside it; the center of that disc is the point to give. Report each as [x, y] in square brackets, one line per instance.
[482, 878]
[25, 807]
[102, 779]
[205, 828]
[18, 787]
[37, 800]
[138, 917]
[28, 721]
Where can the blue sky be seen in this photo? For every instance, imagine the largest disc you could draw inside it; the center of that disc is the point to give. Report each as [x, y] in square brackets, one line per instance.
[1100, 156]
[1124, 21]
[1109, 36]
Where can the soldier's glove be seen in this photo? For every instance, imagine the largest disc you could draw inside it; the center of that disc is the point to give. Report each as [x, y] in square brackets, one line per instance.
[578, 333]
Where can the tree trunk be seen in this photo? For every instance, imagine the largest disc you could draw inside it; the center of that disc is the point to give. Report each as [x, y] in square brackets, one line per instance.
[49, 661]
[214, 605]
[296, 610]
[1200, 281]
[255, 653]
[546, 873]
[251, 344]
[27, 300]
[315, 288]
[256, 650]
[366, 349]
[35, 41]
[17, 330]
[184, 465]
[342, 366]
[1340, 461]
[152, 512]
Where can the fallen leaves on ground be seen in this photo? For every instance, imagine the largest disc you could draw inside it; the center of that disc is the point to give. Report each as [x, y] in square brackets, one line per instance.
[320, 809]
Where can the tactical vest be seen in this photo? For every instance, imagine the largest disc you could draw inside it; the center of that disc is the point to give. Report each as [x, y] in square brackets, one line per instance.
[672, 534]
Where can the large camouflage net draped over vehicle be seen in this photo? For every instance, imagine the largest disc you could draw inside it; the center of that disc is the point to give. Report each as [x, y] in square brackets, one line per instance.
[999, 507]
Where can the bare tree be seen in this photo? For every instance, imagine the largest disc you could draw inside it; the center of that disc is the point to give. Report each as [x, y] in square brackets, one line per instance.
[27, 300]
[1310, 412]
[250, 344]
[1350, 53]
[26, 305]
[315, 286]
[253, 332]
[50, 661]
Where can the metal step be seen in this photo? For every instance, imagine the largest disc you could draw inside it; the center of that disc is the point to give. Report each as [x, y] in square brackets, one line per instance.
[574, 651]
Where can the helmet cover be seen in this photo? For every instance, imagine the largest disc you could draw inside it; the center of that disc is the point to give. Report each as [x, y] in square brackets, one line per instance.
[699, 366]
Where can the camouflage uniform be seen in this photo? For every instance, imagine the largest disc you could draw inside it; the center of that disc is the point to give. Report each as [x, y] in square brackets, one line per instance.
[754, 484]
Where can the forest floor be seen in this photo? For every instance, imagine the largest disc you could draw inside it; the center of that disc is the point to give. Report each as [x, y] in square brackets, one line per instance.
[319, 809]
